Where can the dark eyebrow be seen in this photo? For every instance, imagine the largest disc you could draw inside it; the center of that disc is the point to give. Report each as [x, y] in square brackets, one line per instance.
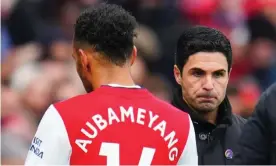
[220, 70]
[199, 69]
[196, 69]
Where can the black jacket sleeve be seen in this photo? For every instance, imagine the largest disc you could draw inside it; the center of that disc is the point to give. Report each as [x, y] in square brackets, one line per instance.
[256, 135]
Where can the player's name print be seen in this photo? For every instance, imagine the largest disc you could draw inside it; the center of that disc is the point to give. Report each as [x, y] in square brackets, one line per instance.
[139, 116]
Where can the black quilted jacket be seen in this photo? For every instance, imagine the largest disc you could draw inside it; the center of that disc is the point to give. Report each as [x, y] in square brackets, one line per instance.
[216, 144]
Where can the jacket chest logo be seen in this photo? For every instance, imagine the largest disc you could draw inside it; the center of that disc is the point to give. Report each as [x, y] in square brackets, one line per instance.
[229, 154]
[203, 136]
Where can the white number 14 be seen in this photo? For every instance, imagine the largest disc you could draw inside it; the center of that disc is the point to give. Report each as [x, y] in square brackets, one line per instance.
[112, 153]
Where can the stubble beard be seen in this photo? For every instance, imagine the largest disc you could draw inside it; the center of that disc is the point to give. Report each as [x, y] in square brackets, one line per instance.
[204, 108]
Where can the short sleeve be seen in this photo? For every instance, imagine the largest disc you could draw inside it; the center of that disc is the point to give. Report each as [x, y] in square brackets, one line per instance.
[50, 145]
[189, 155]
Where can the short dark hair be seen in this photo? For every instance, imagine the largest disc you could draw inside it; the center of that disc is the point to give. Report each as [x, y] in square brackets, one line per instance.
[201, 39]
[109, 29]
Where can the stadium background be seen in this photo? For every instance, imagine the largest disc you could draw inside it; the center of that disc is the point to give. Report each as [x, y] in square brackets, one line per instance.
[37, 68]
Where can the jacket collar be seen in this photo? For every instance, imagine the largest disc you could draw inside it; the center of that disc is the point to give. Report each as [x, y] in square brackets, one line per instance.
[224, 114]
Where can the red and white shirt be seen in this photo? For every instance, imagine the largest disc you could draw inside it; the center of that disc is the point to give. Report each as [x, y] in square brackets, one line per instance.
[114, 126]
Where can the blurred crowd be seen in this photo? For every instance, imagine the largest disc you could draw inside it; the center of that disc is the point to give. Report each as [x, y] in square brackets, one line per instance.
[37, 68]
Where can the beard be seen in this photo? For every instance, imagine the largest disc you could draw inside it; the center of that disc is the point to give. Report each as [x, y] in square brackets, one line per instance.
[204, 107]
[205, 102]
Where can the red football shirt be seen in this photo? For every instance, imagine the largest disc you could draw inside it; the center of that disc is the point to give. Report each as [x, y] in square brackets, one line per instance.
[114, 126]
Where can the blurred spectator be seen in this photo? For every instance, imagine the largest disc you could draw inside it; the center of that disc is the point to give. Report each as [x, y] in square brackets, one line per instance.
[5, 42]
[262, 50]
[243, 96]
[234, 98]
[17, 128]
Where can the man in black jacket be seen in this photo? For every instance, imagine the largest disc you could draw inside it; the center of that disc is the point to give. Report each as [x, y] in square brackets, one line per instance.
[258, 139]
[202, 68]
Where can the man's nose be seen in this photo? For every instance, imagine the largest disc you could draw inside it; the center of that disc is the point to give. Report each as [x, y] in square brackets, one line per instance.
[208, 84]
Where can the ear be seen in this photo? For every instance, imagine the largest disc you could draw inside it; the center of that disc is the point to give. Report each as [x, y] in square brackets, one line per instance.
[177, 74]
[133, 55]
[83, 59]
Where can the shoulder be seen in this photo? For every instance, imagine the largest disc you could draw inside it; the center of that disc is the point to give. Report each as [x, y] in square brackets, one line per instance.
[174, 116]
[272, 89]
[266, 104]
[51, 119]
[77, 107]
[73, 100]
[77, 102]
[268, 97]
[236, 119]
[171, 107]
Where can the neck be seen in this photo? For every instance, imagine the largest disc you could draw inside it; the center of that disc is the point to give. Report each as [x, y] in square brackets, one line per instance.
[211, 117]
[112, 75]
